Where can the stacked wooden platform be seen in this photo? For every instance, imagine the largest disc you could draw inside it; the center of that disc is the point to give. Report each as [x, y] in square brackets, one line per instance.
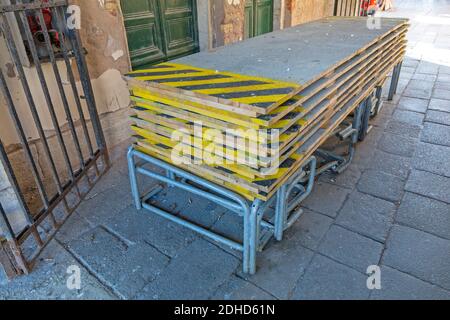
[301, 82]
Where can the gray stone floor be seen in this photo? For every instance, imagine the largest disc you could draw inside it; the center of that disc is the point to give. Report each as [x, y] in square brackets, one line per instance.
[391, 209]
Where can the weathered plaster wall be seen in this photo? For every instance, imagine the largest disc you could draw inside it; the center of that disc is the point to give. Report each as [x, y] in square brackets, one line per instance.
[302, 11]
[227, 21]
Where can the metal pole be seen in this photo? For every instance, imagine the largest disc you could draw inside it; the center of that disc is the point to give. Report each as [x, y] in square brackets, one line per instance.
[62, 39]
[23, 139]
[15, 57]
[88, 92]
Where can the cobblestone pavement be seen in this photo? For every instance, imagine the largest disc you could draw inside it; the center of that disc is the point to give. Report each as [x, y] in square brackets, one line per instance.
[390, 208]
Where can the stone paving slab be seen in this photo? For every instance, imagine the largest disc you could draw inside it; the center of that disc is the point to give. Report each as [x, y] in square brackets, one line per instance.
[432, 158]
[429, 185]
[436, 133]
[141, 226]
[397, 285]
[413, 104]
[442, 85]
[390, 163]
[425, 214]
[419, 254]
[350, 248]
[438, 117]
[326, 199]
[441, 98]
[444, 77]
[419, 89]
[381, 185]
[279, 268]
[309, 230]
[347, 179]
[49, 280]
[414, 118]
[431, 77]
[398, 145]
[404, 129]
[326, 279]
[237, 289]
[367, 215]
[126, 268]
[426, 67]
[194, 274]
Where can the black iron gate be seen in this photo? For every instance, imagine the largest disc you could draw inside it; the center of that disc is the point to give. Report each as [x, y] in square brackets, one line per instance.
[74, 154]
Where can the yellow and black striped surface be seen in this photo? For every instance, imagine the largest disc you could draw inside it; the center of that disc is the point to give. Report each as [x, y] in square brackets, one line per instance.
[259, 94]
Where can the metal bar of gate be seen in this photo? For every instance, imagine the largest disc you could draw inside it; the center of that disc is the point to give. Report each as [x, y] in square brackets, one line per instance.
[23, 140]
[12, 177]
[88, 91]
[16, 59]
[62, 39]
[5, 227]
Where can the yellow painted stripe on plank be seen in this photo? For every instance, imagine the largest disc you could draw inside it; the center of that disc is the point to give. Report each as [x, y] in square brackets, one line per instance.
[199, 82]
[184, 117]
[241, 170]
[236, 188]
[176, 124]
[169, 154]
[174, 76]
[141, 71]
[260, 99]
[241, 88]
[198, 108]
[238, 76]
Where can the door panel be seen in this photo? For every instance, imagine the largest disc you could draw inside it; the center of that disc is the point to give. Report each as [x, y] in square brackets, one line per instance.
[249, 19]
[264, 17]
[258, 17]
[180, 27]
[142, 25]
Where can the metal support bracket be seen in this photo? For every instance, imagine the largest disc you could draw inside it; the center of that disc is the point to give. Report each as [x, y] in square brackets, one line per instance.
[257, 231]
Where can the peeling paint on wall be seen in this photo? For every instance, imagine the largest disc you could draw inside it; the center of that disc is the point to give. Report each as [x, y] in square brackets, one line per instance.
[10, 71]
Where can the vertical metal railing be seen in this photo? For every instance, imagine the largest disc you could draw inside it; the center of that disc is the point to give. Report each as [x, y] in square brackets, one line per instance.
[71, 116]
[350, 8]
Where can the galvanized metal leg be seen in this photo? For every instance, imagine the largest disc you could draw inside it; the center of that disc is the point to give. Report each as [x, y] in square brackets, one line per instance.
[280, 213]
[379, 97]
[133, 179]
[171, 176]
[287, 212]
[394, 81]
[365, 117]
[252, 245]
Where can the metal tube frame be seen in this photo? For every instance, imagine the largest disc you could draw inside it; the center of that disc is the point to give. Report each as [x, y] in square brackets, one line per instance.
[288, 211]
[337, 163]
[252, 212]
[394, 82]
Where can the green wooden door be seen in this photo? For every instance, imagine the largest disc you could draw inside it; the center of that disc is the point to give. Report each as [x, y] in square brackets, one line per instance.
[159, 30]
[258, 17]
[180, 27]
